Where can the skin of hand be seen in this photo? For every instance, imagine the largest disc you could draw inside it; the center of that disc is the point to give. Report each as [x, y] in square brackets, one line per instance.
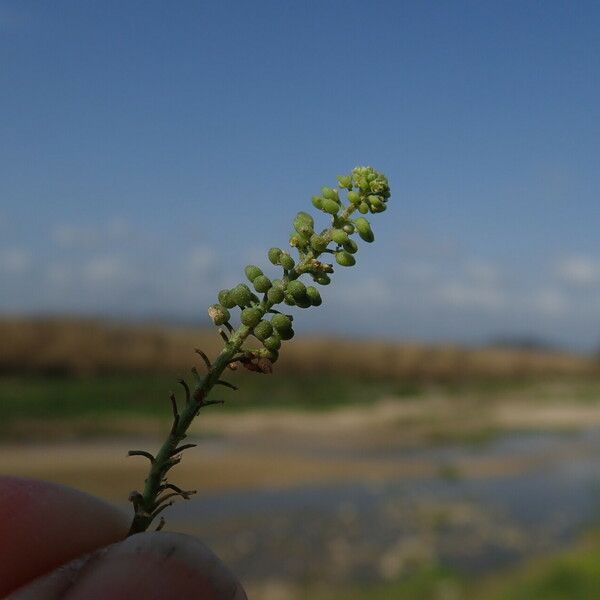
[57, 542]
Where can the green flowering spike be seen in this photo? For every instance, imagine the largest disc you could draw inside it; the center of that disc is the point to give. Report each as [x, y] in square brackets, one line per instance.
[345, 181]
[322, 279]
[330, 194]
[252, 272]
[241, 295]
[274, 254]
[286, 334]
[351, 246]
[281, 322]
[251, 317]
[286, 261]
[297, 289]
[330, 206]
[367, 190]
[354, 197]
[273, 342]
[226, 298]
[263, 330]
[339, 236]
[262, 284]
[219, 314]
[318, 243]
[313, 295]
[275, 295]
[345, 259]
[364, 229]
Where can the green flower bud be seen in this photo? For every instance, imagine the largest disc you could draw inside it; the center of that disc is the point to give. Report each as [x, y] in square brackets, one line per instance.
[274, 254]
[351, 246]
[364, 229]
[289, 299]
[303, 302]
[275, 295]
[363, 208]
[252, 272]
[273, 342]
[263, 330]
[345, 181]
[286, 261]
[251, 317]
[286, 334]
[262, 284]
[317, 202]
[298, 241]
[330, 206]
[348, 228]
[339, 236]
[330, 193]
[297, 289]
[219, 314]
[322, 279]
[281, 322]
[318, 243]
[345, 259]
[313, 295]
[303, 219]
[354, 197]
[226, 298]
[241, 294]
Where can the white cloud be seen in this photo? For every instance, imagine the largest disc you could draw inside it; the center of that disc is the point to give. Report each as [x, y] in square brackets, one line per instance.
[579, 270]
[549, 302]
[105, 270]
[14, 260]
[70, 236]
[468, 296]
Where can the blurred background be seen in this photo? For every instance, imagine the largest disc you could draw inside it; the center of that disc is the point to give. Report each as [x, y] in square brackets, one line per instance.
[434, 429]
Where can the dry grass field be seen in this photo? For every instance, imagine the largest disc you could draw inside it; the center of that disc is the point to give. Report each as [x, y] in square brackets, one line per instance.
[86, 346]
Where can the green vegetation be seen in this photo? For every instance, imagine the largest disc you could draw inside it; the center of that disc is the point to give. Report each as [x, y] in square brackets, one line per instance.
[570, 575]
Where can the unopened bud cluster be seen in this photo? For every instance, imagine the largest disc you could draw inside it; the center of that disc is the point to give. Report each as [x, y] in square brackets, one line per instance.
[366, 191]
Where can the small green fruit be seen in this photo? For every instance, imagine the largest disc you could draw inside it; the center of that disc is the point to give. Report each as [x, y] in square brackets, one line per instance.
[242, 295]
[275, 295]
[273, 342]
[322, 279]
[364, 229]
[363, 208]
[345, 259]
[251, 317]
[303, 302]
[351, 246]
[263, 330]
[262, 284]
[274, 254]
[286, 261]
[330, 206]
[226, 298]
[297, 289]
[281, 322]
[252, 272]
[314, 296]
[348, 228]
[330, 194]
[286, 334]
[219, 314]
[318, 243]
[339, 236]
[317, 202]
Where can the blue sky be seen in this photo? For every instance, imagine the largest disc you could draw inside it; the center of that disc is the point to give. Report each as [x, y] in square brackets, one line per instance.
[151, 149]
